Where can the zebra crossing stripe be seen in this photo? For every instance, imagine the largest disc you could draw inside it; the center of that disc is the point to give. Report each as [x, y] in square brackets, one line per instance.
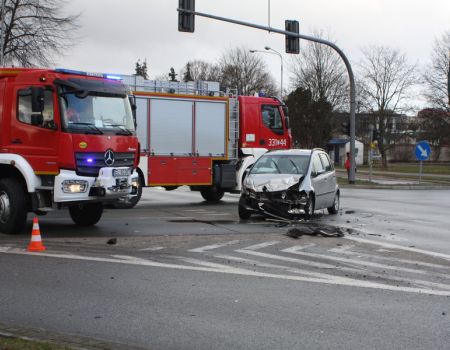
[212, 246]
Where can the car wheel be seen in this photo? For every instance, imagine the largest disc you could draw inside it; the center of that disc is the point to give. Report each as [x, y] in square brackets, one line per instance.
[309, 209]
[13, 206]
[335, 207]
[244, 214]
[212, 194]
[86, 214]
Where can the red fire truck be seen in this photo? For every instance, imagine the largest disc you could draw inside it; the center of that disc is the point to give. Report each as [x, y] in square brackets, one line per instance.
[67, 138]
[192, 134]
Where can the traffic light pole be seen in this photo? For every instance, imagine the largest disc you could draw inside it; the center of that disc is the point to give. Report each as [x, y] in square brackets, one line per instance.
[317, 40]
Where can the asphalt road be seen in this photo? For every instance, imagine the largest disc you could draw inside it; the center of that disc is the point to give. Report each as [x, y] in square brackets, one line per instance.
[184, 274]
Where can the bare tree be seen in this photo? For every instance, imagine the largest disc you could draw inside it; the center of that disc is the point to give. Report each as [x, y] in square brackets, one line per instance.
[35, 31]
[201, 70]
[437, 74]
[320, 70]
[385, 82]
[247, 72]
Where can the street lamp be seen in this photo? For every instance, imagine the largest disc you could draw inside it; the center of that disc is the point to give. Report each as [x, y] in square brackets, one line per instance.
[267, 48]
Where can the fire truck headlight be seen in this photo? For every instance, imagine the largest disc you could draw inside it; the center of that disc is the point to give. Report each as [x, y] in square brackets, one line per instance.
[74, 186]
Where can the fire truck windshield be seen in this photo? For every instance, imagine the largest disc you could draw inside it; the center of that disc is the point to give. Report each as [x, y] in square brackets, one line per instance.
[94, 113]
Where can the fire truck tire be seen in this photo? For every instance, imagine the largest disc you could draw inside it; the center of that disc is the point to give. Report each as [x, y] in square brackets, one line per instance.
[86, 214]
[244, 214]
[13, 206]
[212, 194]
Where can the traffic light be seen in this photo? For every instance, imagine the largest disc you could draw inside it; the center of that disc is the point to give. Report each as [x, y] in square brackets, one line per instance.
[292, 43]
[345, 128]
[186, 21]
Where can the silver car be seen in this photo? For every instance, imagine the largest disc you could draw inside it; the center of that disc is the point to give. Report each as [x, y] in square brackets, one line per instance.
[290, 184]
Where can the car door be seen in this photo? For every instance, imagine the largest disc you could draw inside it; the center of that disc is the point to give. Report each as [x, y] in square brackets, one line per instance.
[318, 181]
[329, 180]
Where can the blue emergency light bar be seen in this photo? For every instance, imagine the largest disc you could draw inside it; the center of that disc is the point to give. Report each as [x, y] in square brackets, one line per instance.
[88, 74]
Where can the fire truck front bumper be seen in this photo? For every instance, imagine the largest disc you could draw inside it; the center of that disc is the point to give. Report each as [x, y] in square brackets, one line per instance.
[111, 184]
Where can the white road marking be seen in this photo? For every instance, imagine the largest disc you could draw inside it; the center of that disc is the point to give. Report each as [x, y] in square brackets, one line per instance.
[283, 267]
[218, 214]
[398, 260]
[151, 249]
[261, 245]
[130, 258]
[212, 246]
[297, 248]
[330, 277]
[233, 271]
[342, 248]
[285, 258]
[395, 246]
[356, 262]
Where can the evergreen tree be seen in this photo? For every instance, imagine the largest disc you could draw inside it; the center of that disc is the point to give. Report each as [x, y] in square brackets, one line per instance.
[187, 76]
[141, 69]
[311, 121]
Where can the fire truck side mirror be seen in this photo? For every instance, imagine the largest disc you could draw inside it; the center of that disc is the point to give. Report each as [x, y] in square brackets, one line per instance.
[287, 122]
[133, 105]
[37, 99]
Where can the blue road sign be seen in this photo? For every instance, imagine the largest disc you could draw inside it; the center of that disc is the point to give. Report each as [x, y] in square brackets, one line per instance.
[423, 150]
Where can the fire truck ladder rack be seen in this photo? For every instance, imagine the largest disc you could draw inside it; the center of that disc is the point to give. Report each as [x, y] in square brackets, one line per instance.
[198, 87]
[233, 137]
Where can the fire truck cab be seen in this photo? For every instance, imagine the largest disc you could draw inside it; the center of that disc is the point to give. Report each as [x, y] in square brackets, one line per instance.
[67, 138]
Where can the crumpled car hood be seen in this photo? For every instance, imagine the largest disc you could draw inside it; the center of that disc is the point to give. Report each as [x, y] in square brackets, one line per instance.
[271, 182]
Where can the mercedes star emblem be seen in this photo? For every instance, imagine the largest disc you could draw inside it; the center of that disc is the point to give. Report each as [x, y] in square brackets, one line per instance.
[109, 157]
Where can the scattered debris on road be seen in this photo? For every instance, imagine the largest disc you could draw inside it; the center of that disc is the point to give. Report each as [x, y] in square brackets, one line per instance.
[315, 230]
[112, 241]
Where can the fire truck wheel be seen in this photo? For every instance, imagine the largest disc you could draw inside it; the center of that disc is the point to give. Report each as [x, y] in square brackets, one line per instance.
[13, 206]
[86, 214]
[212, 194]
[244, 214]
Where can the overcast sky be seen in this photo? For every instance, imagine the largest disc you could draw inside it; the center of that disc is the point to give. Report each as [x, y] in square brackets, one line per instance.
[113, 34]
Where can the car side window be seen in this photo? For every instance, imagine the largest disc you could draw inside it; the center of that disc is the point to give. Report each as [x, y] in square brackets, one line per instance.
[317, 166]
[25, 112]
[271, 118]
[326, 162]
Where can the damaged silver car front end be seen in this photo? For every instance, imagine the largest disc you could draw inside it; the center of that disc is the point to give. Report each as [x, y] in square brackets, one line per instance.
[278, 196]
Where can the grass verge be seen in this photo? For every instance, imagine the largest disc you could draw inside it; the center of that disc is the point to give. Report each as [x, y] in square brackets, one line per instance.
[12, 343]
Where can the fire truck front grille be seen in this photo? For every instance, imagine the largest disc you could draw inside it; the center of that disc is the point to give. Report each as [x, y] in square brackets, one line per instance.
[89, 164]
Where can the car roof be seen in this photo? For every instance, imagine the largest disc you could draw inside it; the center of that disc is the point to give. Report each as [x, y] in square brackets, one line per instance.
[295, 152]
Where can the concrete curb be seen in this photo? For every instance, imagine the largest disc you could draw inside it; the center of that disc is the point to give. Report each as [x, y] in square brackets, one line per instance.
[397, 187]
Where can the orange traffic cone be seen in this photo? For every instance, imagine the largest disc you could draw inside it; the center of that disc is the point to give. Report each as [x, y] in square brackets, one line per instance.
[36, 242]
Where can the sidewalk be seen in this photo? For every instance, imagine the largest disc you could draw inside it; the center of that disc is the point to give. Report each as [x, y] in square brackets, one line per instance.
[396, 180]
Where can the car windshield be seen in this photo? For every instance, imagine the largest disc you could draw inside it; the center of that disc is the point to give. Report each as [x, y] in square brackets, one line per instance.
[281, 164]
[97, 114]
